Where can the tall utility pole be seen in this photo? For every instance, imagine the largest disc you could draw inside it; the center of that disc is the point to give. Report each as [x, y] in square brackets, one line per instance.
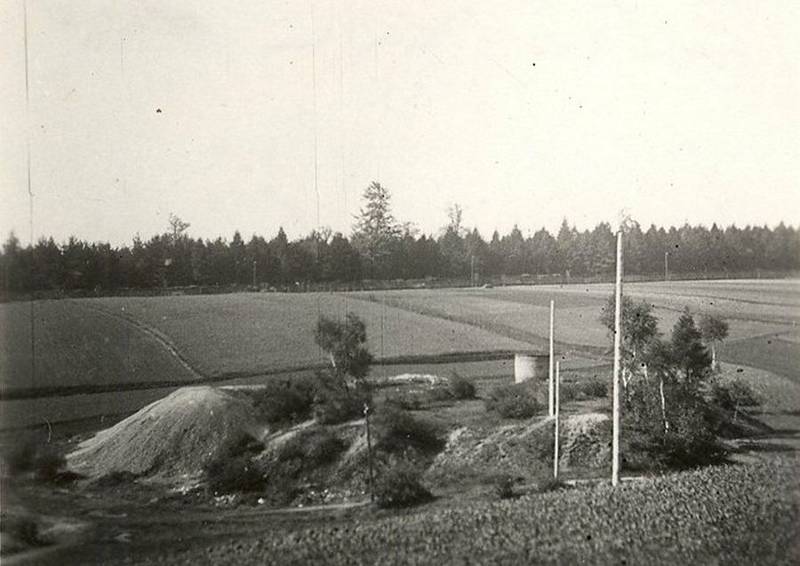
[558, 410]
[550, 392]
[666, 266]
[617, 363]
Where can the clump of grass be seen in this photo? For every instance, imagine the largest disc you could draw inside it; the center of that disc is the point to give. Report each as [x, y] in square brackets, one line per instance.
[514, 401]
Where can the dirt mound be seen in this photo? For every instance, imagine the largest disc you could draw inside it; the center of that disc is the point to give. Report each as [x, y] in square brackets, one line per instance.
[523, 450]
[170, 439]
[585, 441]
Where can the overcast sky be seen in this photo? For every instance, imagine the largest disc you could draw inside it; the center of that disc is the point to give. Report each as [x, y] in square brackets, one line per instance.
[523, 112]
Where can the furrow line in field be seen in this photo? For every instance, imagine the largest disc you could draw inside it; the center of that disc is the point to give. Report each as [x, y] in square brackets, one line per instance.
[162, 339]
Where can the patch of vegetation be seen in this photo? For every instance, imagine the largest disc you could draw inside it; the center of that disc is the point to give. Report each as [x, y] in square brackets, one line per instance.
[461, 387]
[733, 395]
[232, 469]
[22, 533]
[312, 449]
[582, 390]
[401, 486]
[548, 484]
[398, 430]
[513, 401]
[504, 486]
[338, 403]
[284, 402]
[33, 454]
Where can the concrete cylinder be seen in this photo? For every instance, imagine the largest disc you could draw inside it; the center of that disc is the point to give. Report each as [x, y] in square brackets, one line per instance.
[530, 366]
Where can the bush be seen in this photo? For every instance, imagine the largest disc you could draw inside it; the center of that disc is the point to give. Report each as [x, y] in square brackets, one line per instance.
[397, 430]
[401, 486]
[733, 395]
[232, 469]
[337, 402]
[584, 389]
[516, 401]
[690, 440]
[460, 387]
[312, 449]
[285, 402]
[237, 474]
[334, 407]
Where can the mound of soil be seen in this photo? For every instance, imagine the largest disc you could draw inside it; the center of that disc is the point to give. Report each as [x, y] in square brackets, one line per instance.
[523, 450]
[170, 439]
[585, 441]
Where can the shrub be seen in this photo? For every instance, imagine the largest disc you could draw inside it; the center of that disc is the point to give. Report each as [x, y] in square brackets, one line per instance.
[237, 474]
[337, 401]
[584, 389]
[689, 441]
[232, 469]
[338, 406]
[398, 430]
[460, 387]
[401, 486]
[733, 395]
[284, 402]
[313, 449]
[516, 401]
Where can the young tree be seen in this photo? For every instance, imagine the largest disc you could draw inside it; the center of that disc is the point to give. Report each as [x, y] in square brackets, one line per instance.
[639, 328]
[345, 343]
[688, 351]
[713, 330]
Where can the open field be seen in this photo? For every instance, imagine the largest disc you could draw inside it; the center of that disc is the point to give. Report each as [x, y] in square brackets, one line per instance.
[753, 309]
[79, 346]
[93, 346]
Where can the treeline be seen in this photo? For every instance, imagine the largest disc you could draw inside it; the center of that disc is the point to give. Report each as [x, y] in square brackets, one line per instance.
[381, 248]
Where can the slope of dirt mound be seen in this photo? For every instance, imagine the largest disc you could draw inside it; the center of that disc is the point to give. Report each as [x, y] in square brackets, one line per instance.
[522, 450]
[585, 441]
[170, 439]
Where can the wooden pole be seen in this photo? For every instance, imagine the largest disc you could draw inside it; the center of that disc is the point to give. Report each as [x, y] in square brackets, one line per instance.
[558, 410]
[550, 410]
[617, 363]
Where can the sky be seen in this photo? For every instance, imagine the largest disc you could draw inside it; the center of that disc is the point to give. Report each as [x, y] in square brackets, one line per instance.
[258, 114]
